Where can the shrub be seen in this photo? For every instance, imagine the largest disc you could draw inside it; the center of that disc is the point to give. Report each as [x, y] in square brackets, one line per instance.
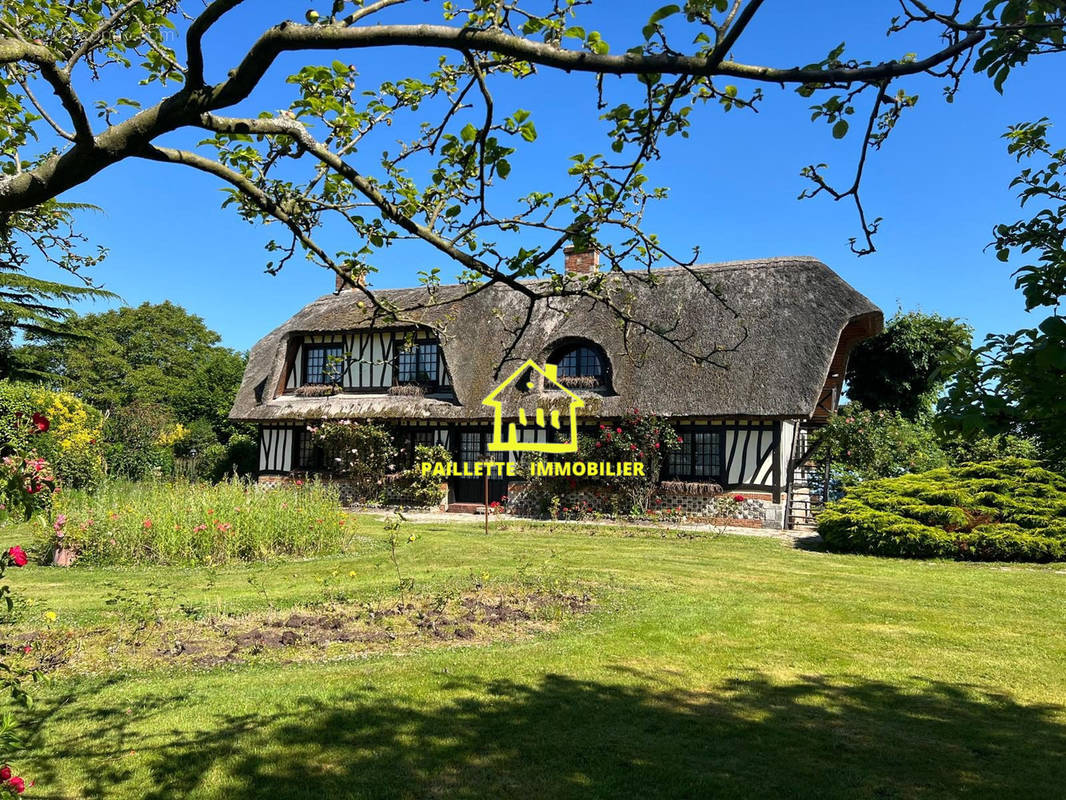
[197, 523]
[636, 437]
[1005, 510]
[240, 456]
[73, 441]
[139, 439]
[359, 451]
[419, 489]
[878, 444]
[982, 447]
[27, 482]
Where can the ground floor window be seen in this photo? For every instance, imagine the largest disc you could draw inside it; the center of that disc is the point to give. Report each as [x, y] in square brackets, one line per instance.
[306, 455]
[407, 439]
[699, 456]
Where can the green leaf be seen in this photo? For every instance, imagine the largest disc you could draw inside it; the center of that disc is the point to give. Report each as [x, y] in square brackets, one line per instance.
[469, 132]
[840, 129]
[663, 13]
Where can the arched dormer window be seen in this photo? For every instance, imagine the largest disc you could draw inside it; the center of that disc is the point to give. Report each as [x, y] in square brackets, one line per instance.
[582, 365]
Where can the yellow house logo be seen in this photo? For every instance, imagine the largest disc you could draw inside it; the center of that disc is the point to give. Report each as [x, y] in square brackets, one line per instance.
[547, 421]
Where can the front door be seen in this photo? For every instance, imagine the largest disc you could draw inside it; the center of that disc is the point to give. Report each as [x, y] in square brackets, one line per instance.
[474, 447]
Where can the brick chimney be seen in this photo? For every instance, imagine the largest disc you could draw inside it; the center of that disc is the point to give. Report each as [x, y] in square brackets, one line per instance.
[343, 284]
[581, 261]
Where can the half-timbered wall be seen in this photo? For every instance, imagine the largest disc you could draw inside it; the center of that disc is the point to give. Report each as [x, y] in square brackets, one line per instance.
[751, 450]
[755, 453]
[788, 443]
[368, 362]
[275, 448]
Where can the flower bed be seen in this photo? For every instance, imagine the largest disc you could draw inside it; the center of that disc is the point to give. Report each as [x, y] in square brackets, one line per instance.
[176, 523]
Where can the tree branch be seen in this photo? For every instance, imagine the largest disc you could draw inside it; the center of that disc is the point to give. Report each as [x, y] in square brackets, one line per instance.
[722, 48]
[274, 126]
[289, 37]
[42, 110]
[194, 39]
[94, 38]
[15, 50]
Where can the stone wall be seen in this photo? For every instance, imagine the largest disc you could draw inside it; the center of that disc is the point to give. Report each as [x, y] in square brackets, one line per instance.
[755, 510]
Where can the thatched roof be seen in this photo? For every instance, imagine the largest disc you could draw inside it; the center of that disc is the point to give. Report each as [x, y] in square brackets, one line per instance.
[777, 339]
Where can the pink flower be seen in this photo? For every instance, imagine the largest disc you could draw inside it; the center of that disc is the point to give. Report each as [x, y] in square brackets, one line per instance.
[5, 772]
[617, 430]
[18, 556]
[17, 784]
[147, 524]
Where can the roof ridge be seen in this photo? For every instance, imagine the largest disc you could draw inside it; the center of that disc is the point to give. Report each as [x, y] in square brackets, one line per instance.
[716, 266]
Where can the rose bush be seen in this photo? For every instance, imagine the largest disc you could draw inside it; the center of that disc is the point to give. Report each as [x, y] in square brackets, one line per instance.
[362, 452]
[635, 437]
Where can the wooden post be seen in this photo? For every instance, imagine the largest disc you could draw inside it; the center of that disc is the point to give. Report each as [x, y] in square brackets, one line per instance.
[825, 475]
[486, 502]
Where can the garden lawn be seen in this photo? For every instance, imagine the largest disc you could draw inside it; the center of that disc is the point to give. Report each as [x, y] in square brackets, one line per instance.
[710, 667]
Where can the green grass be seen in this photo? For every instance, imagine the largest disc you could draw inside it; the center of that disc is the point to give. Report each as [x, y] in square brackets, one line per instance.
[735, 666]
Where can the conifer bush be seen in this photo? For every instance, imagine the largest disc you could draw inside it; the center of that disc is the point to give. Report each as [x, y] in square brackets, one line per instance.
[1006, 510]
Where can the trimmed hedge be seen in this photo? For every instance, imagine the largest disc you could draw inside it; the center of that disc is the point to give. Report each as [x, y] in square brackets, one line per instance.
[1007, 510]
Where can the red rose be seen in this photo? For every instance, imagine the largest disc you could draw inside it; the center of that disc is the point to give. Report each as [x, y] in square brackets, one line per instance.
[738, 498]
[18, 555]
[40, 422]
[5, 772]
[617, 430]
[27, 649]
[680, 440]
[18, 785]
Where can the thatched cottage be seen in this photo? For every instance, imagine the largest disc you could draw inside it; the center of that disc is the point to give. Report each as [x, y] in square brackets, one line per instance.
[780, 331]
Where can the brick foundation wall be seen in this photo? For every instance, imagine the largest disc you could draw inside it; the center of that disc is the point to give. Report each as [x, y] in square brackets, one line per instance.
[757, 510]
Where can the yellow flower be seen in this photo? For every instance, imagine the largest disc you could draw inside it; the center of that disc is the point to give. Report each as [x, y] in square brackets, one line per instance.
[351, 573]
[50, 616]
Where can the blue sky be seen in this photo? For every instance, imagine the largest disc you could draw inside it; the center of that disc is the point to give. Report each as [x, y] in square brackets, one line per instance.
[941, 182]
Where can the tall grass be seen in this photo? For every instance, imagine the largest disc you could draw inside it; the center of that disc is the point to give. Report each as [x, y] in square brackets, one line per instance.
[197, 523]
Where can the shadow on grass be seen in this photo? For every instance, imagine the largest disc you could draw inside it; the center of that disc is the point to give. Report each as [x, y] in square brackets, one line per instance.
[563, 737]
